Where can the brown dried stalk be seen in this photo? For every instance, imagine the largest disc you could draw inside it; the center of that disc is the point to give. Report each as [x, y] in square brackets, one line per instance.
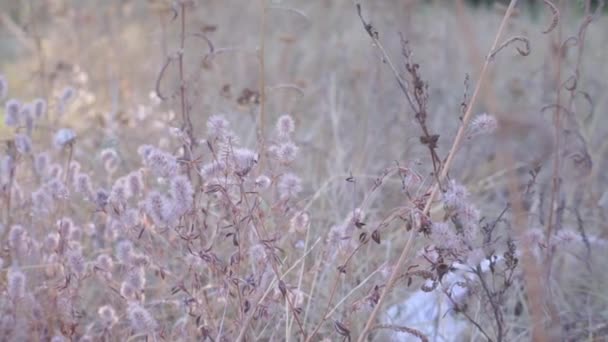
[455, 145]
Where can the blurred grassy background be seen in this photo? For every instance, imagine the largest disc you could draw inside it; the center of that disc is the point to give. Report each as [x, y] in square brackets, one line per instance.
[351, 116]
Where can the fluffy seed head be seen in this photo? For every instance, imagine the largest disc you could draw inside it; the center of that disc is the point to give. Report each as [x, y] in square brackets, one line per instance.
[444, 236]
[16, 237]
[124, 251]
[140, 319]
[76, 262]
[119, 194]
[455, 196]
[482, 124]
[11, 113]
[3, 87]
[262, 182]
[245, 159]
[289, 186]
[287, 152]
[83, 185]
[135, 183]
[107, 315]
[285, 126]
[23, 143]
[217, 126]
[137, 278]
[16, 284]
[159, 208]
[213, 169]
[39, 108]
[162, 164]
[128, 291]
[41, 163]
[105, 262]
[300, 221]
[182, 192]
[109, 158]
[64, 137]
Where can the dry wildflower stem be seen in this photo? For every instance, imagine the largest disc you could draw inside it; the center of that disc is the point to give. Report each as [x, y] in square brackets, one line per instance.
[444, 171]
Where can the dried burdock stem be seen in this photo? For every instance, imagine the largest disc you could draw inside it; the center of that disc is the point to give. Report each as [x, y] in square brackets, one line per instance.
[418, 101]
[554, 16]
[444, 171]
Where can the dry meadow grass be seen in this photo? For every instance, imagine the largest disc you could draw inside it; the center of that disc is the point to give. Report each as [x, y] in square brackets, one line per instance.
[301, 170]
